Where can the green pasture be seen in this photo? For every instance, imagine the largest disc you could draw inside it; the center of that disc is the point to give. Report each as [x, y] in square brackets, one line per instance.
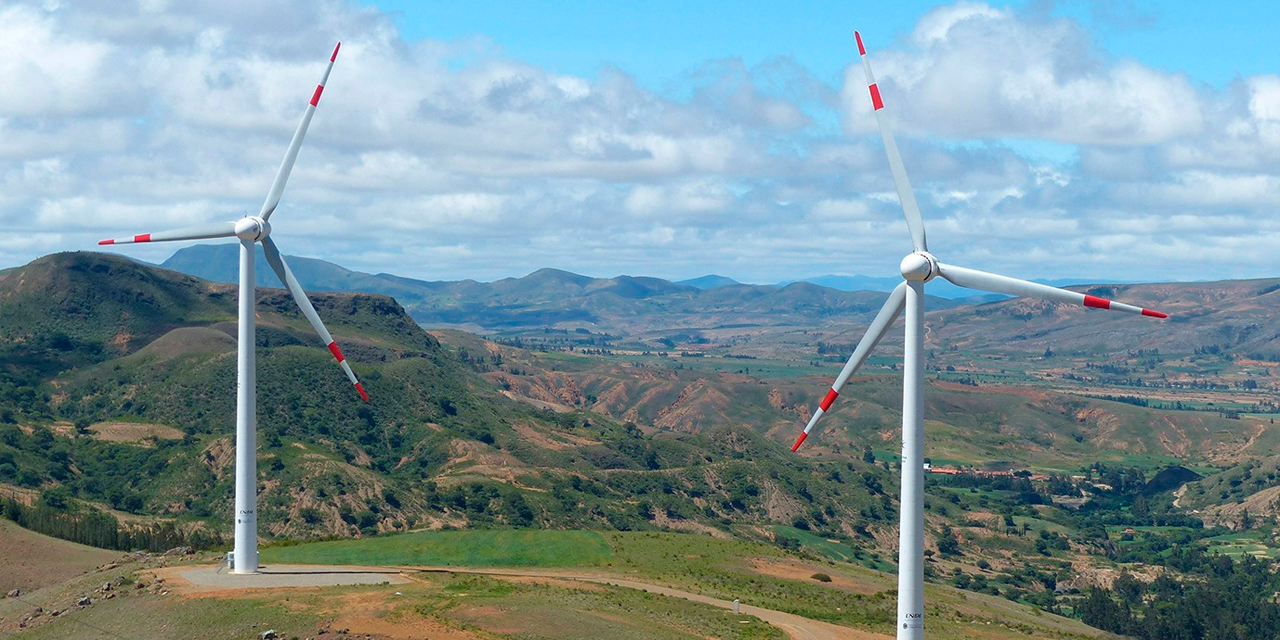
[1254, 542]
[503, 548]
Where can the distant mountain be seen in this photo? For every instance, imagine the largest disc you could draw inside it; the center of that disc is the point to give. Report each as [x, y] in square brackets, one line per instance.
[561, 299]
[1229, 316]
[220, 263]
[938, 287]
[711, 281]
[852, 283]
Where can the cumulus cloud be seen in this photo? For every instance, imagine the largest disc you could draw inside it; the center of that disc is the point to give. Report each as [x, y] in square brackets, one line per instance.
[974, 71]
[452, 159]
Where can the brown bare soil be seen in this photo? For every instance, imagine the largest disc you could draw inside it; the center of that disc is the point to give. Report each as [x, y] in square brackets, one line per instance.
[133, 432]
[33, 561]
[186, 340]
[366, 614]
[555, 442]
[660, 518]
[1262, 503]
[471, 458]
[372, 614]
[796, 570]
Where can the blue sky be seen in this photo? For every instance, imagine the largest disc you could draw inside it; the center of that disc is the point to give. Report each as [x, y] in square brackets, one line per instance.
[1085, 140]
[659, 41]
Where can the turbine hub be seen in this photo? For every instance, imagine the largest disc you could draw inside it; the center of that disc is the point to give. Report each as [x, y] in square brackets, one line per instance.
[920, 266]
[252, 228]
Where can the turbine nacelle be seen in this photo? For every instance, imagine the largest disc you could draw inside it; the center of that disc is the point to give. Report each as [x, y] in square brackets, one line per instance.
[919, 266]
[252, 228]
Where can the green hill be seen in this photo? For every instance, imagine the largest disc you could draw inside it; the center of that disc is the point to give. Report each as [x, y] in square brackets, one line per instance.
[93, 340]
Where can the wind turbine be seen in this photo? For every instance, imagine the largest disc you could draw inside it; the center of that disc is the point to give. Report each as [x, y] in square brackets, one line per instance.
[918, 268]
[250, 230]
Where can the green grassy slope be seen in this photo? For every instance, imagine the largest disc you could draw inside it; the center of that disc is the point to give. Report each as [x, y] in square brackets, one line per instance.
[438, 445]
[757, 574]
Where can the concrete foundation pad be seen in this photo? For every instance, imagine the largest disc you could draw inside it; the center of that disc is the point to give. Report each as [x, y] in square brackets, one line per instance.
[290, 575]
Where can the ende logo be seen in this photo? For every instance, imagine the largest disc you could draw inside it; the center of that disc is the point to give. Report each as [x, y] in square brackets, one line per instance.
[913, 621]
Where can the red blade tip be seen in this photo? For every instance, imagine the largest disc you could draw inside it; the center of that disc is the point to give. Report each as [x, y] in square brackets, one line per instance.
[826, 402]
[1154, 314]
[111, 241]
[360, 388]
[335, 52]
[799, 441]
[862, 51]
[1095, 302]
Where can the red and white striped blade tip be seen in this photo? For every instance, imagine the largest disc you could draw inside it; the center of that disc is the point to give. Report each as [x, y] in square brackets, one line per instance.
[799, 441]
[142, 237]
[1094, 302]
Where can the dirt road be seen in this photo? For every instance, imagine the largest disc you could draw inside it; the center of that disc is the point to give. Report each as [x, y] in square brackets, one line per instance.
[793, 625]
[209, 578]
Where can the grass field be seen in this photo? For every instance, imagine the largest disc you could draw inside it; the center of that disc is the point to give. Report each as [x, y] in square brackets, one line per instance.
[507, 548]
[755, 573]
[1254, 542]
[475, 607]
[538, 610]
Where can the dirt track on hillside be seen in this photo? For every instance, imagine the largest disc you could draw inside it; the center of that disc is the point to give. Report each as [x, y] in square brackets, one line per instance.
[798, 628]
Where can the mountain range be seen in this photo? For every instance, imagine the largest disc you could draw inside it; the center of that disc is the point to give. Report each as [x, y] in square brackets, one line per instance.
[1228, 316]
[555, 298]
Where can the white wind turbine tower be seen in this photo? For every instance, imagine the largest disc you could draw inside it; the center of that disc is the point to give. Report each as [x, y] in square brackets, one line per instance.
[249, 230]
[918, 268]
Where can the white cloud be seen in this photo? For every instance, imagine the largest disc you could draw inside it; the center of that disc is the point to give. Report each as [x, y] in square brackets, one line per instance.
[45, 73]
[979, 72]
[452, 160]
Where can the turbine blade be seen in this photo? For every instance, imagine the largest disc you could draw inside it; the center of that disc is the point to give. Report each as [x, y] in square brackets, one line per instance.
[203, 232]
[291, 156]
[286, 276]
[910, 210]
[879, 326]
[983, 281]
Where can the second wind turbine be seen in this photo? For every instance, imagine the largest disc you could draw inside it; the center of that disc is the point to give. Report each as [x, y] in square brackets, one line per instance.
[251, 230]
[917, 268]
